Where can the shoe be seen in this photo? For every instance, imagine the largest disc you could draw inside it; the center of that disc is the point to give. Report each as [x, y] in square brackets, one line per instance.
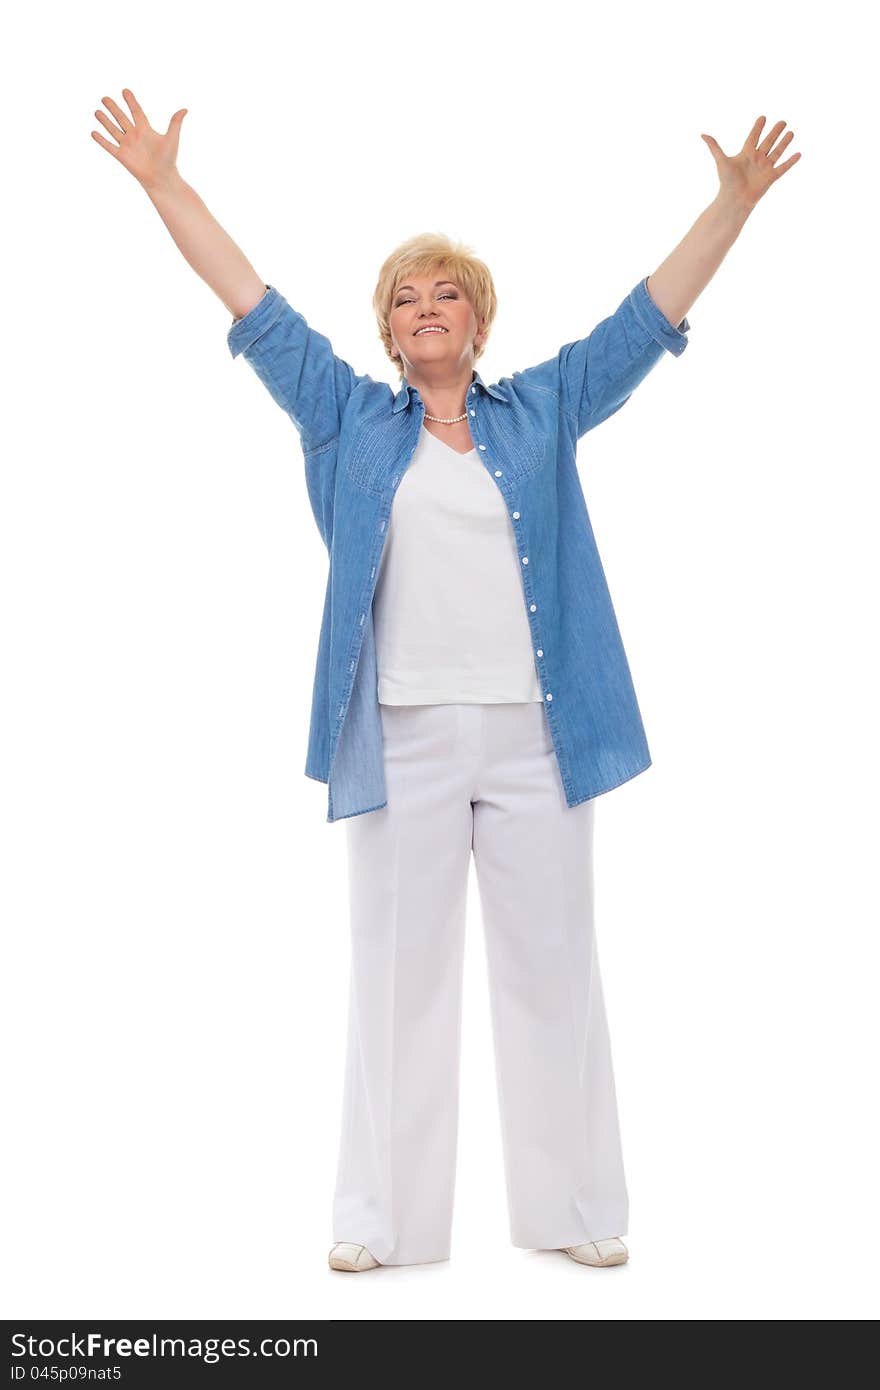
[599, 1252]
[344, 1255]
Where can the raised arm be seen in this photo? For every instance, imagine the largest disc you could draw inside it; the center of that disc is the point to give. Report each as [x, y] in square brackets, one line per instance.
[744, 179]
[596, 375]
[295, 362]
[151, 158]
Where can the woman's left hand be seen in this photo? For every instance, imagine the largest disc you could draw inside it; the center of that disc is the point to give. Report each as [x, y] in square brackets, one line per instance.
[745, 177]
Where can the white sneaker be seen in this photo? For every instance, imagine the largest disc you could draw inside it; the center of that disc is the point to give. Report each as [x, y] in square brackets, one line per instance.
[344, 1255]
[599, 1252]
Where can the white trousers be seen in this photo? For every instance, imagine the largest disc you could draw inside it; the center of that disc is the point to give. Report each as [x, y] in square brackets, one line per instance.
[479, 778]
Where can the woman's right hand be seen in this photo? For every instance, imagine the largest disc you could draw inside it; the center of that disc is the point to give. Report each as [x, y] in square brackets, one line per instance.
[146, 154]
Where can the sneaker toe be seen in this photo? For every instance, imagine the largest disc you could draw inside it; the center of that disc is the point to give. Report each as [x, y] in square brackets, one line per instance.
[348, 1256]
[599, 1252]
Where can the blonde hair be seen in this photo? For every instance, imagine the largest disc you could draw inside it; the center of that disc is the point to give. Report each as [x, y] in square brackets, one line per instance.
[424, 253]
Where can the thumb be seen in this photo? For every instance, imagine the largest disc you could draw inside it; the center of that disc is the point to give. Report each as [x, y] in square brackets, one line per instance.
[714, 147]
[176, 121]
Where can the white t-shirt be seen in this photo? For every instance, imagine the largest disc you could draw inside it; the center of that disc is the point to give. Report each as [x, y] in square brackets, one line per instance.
[449, 611]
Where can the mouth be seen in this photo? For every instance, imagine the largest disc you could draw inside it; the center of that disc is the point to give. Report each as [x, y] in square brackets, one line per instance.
[432, 328]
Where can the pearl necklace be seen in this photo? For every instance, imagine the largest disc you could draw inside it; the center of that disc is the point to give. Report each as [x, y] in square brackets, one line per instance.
[440, 421]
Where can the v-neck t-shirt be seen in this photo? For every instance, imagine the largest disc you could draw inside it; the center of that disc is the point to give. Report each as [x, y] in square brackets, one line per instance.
[448, 612]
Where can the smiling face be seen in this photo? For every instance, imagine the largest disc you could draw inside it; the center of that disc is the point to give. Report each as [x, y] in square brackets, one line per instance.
[435, 304]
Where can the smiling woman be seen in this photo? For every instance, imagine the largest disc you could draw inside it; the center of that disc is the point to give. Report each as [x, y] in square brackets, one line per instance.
[471, 696]
[411, 291]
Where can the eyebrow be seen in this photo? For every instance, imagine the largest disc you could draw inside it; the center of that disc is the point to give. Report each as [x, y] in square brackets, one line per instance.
[436, 283]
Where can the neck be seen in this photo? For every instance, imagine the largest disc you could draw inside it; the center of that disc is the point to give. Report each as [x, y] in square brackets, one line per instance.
[440, 395]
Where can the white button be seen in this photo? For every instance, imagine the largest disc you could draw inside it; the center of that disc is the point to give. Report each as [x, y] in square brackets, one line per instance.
[497, 472]
[481, 446]
[473, 412]
[516, 516]
[532, 607]
[549, 697]
[473, 389]
[540, 653]
[525, 559]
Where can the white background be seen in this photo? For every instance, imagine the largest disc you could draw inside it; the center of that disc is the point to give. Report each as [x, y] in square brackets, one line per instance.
[174, 902]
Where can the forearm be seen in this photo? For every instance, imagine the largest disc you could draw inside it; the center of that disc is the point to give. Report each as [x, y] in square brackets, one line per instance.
[209, 249]
[687, 270]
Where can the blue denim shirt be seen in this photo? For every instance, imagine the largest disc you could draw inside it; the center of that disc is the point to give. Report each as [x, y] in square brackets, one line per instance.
[358, 437]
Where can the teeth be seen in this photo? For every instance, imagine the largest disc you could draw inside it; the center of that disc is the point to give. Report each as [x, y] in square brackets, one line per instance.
[430, 330]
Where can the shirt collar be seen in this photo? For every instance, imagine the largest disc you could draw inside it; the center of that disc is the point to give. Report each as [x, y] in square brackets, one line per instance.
[402, 397]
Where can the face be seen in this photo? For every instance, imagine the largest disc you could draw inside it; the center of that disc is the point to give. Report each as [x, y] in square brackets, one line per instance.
[423, 300]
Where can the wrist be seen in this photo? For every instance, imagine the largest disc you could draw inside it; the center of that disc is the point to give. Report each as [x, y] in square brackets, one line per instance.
[731, 206]
[166, 185]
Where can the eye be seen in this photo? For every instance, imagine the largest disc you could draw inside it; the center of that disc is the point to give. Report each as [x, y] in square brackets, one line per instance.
[447, 294]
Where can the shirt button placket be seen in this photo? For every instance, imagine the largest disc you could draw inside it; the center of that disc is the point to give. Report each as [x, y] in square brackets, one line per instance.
[533, 607]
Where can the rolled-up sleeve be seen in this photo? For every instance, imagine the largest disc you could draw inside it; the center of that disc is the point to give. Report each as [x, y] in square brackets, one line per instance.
[297, 365]
[656, 322]
[595, 376]
[251, 326]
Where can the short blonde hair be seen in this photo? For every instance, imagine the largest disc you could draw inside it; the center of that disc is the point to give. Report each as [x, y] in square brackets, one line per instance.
[424, 253]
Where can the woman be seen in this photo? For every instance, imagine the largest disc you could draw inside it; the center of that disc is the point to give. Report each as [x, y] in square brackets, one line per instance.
[471, 695]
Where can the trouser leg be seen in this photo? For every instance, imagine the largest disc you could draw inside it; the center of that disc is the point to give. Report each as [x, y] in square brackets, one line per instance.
[534, 864]
[408, 873]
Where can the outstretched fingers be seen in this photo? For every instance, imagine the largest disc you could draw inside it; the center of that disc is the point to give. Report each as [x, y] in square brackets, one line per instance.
[108, 125]
[125, 122]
